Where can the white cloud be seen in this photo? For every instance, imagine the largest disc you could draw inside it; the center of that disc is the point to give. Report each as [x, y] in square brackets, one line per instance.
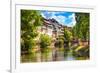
[43, 15]
[73, 20]
[65, 20]
[60, 18]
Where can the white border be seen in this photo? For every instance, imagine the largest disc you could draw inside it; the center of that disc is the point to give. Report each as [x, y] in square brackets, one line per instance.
[16, 66]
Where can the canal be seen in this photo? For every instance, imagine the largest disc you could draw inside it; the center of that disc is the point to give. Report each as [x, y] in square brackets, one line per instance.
[52, 55]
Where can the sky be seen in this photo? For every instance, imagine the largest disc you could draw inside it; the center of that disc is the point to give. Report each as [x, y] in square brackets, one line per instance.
[64, 18]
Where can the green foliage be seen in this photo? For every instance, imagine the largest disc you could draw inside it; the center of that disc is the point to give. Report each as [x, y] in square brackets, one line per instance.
[81, 29]
[45, 41]
[30, 20]
[67, 35]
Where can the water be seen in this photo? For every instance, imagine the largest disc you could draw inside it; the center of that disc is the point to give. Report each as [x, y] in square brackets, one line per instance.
[70, 56]
[54, 55]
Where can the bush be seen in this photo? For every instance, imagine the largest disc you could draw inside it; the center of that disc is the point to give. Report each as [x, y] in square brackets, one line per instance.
[45, 41]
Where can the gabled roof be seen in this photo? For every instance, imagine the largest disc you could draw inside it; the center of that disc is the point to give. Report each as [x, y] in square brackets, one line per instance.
[54, 23]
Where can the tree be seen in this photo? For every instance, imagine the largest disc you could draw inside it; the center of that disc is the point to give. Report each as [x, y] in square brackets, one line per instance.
[67, 36]
[81, 29]
[81, 32]
[30, 20]
[45, 41]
